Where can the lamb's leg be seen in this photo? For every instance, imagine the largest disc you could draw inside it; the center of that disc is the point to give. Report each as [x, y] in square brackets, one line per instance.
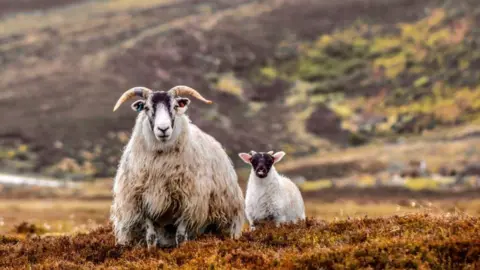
[251, 222]
[279, 220]
[181, 235]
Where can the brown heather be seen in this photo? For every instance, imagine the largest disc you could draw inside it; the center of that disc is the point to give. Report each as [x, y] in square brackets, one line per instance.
[419, 241]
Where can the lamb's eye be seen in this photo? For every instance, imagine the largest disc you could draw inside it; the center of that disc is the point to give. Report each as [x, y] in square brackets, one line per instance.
[146, 109]
[175, 107]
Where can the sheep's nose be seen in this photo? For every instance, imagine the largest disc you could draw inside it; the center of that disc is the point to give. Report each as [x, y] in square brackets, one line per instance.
[261, 171]
[163, 130]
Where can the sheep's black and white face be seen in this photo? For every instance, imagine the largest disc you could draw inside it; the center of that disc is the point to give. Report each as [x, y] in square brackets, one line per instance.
[162, 108]
[261, 162]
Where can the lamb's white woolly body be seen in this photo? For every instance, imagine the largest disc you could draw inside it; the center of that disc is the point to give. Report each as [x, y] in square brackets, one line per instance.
[274, 197]
[189, 182]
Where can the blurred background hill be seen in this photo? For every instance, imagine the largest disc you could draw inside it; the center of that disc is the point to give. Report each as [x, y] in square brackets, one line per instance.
[357, 92]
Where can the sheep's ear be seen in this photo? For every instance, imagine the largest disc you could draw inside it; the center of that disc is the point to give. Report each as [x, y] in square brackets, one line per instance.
[245, 157]
[138, 105]
[182, 105]
[278, 156]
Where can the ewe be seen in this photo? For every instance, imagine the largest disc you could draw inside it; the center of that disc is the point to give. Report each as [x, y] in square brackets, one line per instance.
[173, 180]
[270, 196]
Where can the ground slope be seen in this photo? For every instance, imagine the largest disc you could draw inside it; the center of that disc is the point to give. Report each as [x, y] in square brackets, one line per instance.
[61, 74]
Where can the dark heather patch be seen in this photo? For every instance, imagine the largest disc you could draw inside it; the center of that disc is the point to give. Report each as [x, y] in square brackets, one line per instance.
[262, 161]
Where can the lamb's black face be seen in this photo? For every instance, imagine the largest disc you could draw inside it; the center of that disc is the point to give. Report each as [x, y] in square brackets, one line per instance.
[262, 163]
[161, 109]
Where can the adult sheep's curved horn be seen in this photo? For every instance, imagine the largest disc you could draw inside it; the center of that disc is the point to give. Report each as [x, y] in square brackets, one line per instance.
[132, 92]
[185, 90]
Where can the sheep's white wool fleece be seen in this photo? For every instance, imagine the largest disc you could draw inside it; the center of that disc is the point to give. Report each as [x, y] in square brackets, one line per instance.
[189, 179]
[273, 197]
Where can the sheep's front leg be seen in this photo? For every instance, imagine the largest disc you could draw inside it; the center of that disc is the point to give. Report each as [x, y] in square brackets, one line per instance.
[126, 225]
[236, 228]
[181, 235]
[151, 234]
[124, 234]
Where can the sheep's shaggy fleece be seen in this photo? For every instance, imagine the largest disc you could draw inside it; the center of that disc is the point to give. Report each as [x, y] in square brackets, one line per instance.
[189, 180]
[274, 198]
[270, 196]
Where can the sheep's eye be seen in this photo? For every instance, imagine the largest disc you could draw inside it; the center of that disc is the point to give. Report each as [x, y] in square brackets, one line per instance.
[175, 107]
[146, 109]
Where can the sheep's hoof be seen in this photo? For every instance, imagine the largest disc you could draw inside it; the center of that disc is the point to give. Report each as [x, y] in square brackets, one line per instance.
[151, 241]
[180, 238]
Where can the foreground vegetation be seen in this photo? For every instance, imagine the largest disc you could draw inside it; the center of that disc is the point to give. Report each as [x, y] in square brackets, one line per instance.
[347, 229]
[412, 241]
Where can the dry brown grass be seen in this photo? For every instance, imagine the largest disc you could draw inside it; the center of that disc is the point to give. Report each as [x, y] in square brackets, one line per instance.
[71, 215]
[355, 232]
[400, 242]
[54, 216]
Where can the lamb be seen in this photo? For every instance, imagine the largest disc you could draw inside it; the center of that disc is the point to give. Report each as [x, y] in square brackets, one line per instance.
[270, 196]
[173, 181]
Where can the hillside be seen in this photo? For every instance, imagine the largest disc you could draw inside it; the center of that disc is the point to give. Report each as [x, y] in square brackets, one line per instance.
[326, 66]
[414, 241]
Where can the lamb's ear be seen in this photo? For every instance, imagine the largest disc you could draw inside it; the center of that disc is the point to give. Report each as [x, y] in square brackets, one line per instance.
[182, 105]
[138, 105]
[278, 156]
[245, 157]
